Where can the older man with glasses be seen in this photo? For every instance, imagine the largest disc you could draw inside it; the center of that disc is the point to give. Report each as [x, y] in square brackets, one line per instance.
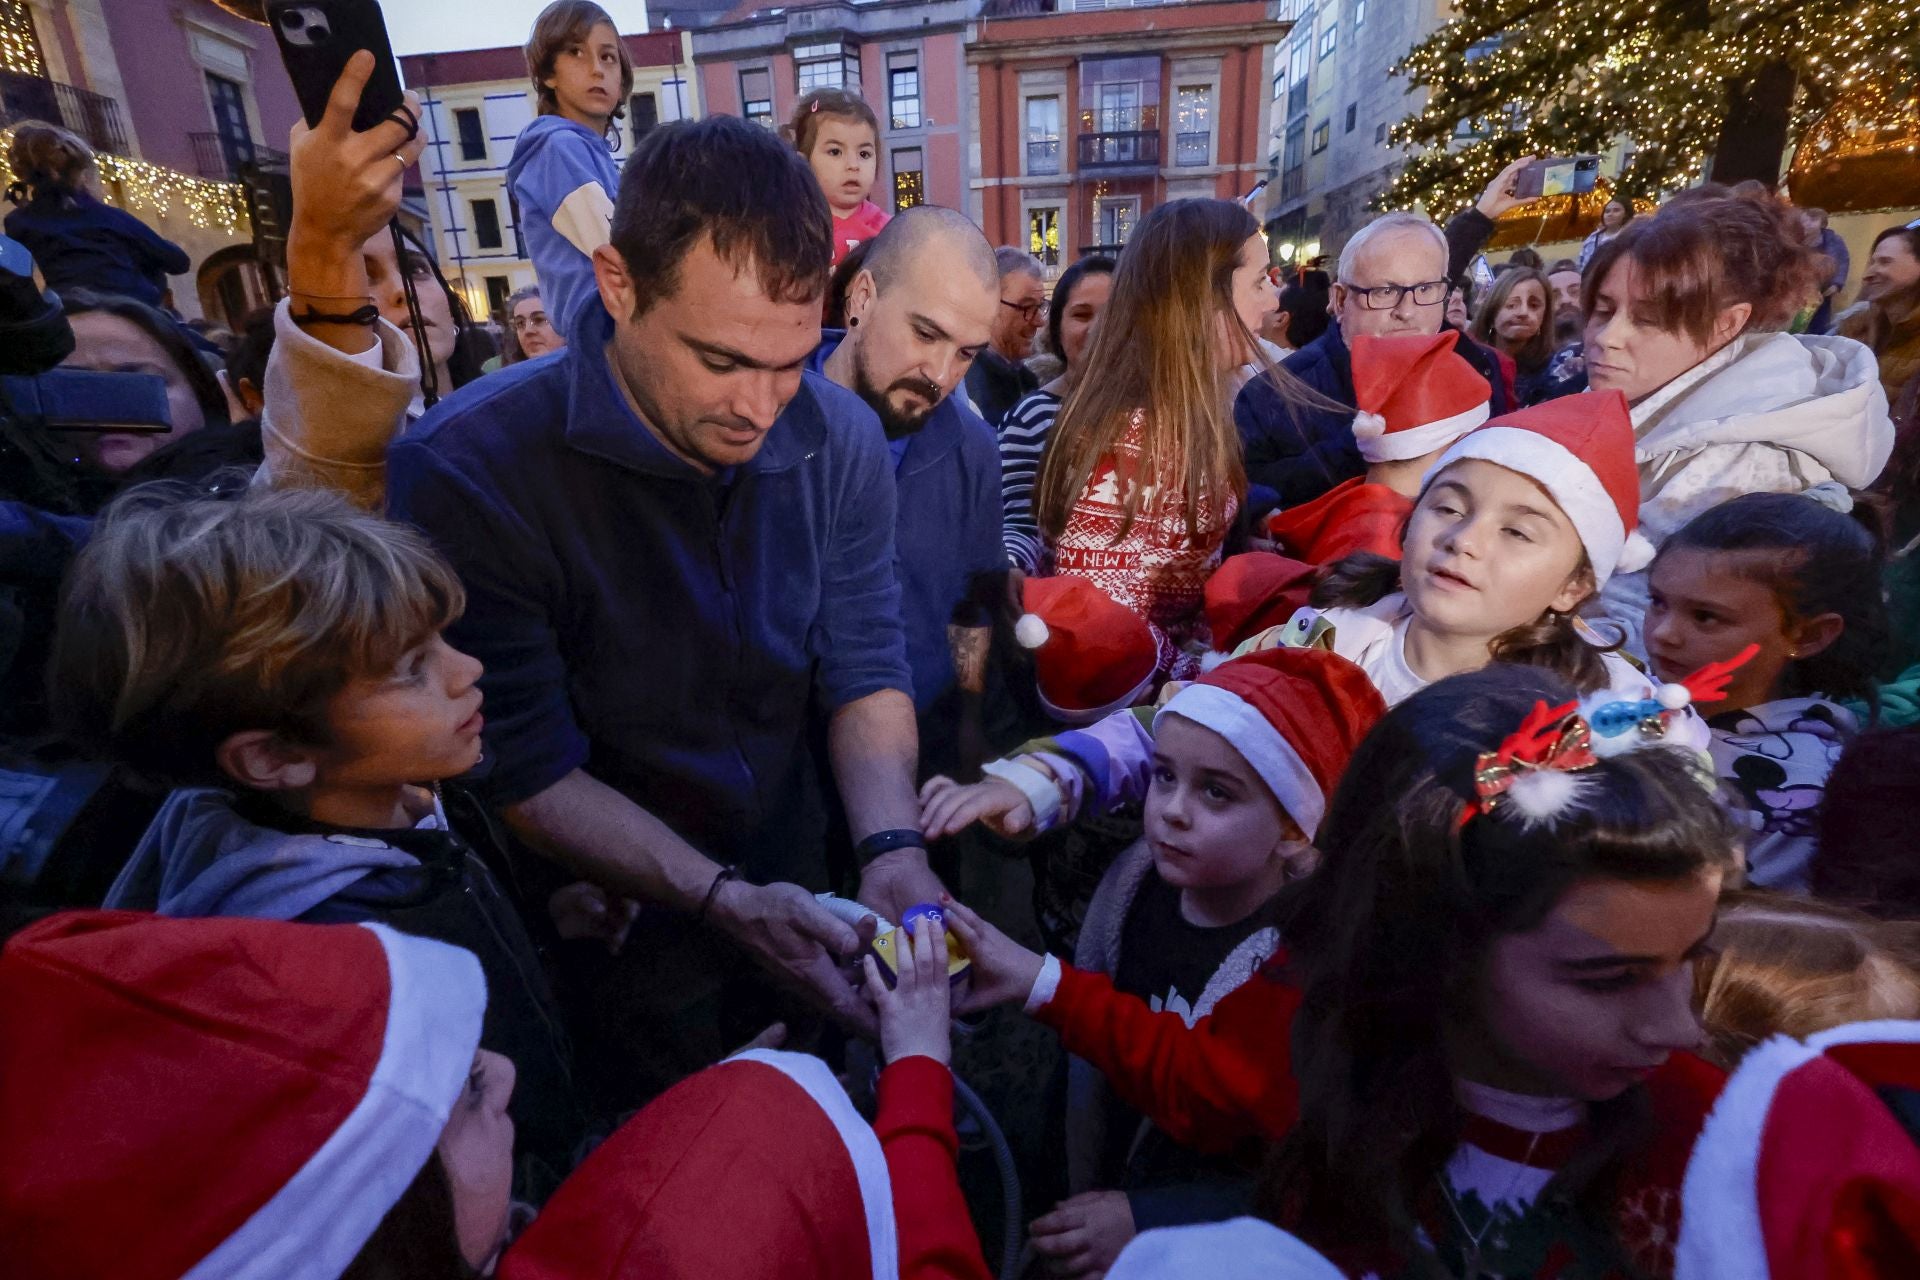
[1000, 378]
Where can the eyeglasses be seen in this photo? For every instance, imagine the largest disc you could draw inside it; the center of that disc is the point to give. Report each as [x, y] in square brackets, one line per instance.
[1386, 297]
[1027, 310]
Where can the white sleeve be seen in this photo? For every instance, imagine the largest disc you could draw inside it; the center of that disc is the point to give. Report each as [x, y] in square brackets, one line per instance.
[585, 217]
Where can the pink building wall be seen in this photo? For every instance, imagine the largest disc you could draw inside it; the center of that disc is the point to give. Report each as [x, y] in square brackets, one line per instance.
[166, 88]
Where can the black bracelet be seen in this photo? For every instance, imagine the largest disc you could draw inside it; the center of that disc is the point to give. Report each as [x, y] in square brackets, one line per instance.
[886, 842]
[713, 891]
[368, 315]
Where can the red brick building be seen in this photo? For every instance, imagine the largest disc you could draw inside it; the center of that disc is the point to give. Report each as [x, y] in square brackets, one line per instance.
[1083, 120]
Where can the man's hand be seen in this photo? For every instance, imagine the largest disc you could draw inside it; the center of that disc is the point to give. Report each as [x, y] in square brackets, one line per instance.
[897, 880]
[1499, 196]
[915, 1011]
[1083, 1235]
[799, 942]
[1000, 970]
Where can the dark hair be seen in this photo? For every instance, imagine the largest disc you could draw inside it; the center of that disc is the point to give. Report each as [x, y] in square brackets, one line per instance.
[734, 185]
[1814, 560]
[1539, 348]
[248, 361]
[828, 104]
[1091, 265]
[1698, 257]
[1306, 306]
[1867, 820]
[841, 281]
[1526, 256]
[1910, 234]
[472, 345]
[48, 162]
[1553, 641]
[169, 336]
[418, 1239]
[569, 22]
[1386, 943]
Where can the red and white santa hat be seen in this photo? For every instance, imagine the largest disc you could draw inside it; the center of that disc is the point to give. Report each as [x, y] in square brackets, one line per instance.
[1416, 394]
[1251, 592]
[220, 1098]
[757, 1166]
[1091, 654]
[1807, 1169]
[1580, 450]
[1296, 715]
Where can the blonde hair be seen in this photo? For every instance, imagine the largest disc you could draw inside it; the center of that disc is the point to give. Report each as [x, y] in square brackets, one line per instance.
[47, 159]
[187, 620]
[1795, 966]
[1154, 358]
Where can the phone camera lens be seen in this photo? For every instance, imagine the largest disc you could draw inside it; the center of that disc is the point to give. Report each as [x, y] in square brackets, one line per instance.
[293, 20]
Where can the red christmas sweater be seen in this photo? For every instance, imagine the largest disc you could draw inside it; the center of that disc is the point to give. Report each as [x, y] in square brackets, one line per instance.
[1157, 570]
[1212, 1085]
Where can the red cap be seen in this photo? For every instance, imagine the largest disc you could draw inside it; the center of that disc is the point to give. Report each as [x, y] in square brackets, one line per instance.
[1091, 654]
[1253, 591]
[1416, 394]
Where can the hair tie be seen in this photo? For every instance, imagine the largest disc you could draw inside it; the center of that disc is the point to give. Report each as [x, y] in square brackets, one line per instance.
[815, 108]
[1832, 495]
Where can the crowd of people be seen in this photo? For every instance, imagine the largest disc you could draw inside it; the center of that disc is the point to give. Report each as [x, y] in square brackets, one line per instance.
[501, 806]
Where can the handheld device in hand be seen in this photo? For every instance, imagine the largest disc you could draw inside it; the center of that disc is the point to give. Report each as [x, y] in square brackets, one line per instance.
[1558, 176]
[86, 400]
[887, 947]
[317, 37]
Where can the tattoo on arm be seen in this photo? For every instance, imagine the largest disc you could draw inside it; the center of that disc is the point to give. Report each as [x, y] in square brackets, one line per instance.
[969, 646]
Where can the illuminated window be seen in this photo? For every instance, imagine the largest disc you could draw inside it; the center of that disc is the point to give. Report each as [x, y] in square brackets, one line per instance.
[1043, 235]
[903, 89]
[1193, 124]
[909, 183]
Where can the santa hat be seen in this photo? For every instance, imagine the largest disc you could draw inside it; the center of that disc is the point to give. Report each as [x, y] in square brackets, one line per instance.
[220, 1098]
[1251, 592]
[1580, 450]
[1807, 1169]
[1091, 654]
[1237, 1249]
[1416, 395]
[758, 1159]
[1296, 715]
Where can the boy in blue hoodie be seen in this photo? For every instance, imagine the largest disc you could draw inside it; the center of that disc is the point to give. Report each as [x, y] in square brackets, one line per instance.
[278, 658]
[562, 174]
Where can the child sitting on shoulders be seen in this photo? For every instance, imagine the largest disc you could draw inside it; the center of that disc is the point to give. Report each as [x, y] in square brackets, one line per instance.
[839, 135]
[1801, 580]
[1471, 1048]
[1233, 773]
[278, 658]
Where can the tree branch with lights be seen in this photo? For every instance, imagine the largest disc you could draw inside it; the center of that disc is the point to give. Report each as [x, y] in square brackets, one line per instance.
[1681, 81]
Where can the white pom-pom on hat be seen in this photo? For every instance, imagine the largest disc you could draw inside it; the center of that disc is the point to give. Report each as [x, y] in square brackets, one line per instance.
[1031, 631]
[1673, 696]
[1368, 426]
[1541, 796]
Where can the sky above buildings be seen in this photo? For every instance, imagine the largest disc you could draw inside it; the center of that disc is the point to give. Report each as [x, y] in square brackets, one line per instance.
[441, 26]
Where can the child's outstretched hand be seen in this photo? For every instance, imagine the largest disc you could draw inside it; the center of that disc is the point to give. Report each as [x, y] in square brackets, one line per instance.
[1000, 970]
[585, 910]
[947, 808]
[915, 1011]
[1083, 1237]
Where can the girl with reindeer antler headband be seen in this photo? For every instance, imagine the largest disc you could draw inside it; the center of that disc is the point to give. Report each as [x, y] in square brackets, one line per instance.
[1472, 1053]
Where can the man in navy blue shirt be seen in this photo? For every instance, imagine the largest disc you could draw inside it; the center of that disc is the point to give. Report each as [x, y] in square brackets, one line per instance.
[676, 546]
[919, 312]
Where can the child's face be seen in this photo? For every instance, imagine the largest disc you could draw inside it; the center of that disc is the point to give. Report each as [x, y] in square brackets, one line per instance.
[1597, 996]
[421, 723]
[844, 158]
[1211, 823]
[1487, 550]
[1701, 610]
[586, 78]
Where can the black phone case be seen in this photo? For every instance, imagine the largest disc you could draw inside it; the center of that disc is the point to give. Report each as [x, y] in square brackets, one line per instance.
[314, 67]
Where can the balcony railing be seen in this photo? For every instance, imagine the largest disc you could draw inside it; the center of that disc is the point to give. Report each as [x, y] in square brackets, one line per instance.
[221, 156]
[1043, 156]
[1110, 150]
[92, 116]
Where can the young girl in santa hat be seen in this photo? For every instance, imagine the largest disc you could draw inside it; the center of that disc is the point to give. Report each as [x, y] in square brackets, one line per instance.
[1233, 774]
[1517, 525]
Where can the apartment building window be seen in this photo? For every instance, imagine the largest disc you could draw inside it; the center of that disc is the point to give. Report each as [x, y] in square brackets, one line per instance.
[1043, 235]
[472, 133]
[1113, 219]
[1380, 132]
[1359, 14]
[903, 89]
[1043, 135]
[1293, 176]
[1193, 124]
[826, 66]
[1320, 136]
[230, 122]
[909, 182]
[1353, 115]
[486, 224]
[756, 96]
[499, 289]
[1119, 111]
[643, 113]
[1328, 39]
[1299, 68]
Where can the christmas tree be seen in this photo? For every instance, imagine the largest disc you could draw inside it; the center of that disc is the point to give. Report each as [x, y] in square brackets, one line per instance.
[1679, 80]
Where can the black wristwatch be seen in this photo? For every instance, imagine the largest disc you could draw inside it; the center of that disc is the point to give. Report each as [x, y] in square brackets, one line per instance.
[886, 842]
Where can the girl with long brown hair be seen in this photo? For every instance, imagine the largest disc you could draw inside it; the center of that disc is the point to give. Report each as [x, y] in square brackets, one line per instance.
[1142, 476]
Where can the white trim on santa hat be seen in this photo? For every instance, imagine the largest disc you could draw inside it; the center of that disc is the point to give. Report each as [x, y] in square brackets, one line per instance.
[863, 1148]
[1254, 737]
[1563, 474]
[1069, 715]
[314, 1226]
[1381, 445]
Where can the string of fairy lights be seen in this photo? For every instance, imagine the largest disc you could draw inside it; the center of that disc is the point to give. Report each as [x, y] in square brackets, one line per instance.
[1581, 75]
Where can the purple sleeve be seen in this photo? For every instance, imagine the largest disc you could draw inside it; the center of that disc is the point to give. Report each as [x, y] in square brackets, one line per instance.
[1115, 755]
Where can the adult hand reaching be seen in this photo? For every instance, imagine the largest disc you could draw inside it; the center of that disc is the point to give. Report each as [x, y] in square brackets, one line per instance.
[800, 943]
[1499, 196]
[898, 880]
